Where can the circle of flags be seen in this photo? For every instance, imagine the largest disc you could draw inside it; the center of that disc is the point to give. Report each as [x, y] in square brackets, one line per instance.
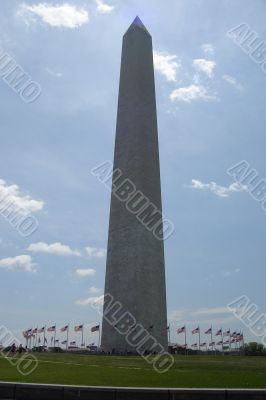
[38, 336]
[227, 338]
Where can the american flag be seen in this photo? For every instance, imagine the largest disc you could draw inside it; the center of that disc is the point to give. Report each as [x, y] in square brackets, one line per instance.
[27, 333]
[42, 329]
[95, 328]
[219, 333]
[51, 328]
[64, 329]
[227, 342]
[78, 328]
[227, 333]
[181, 330]
[234, 334]
[212, 343]
[239, 337]
[72, 343]
[64, 342]
[208, 332]
[34, 330]
[203, 344]
[195, 331]
[219, 343]
[194, 345]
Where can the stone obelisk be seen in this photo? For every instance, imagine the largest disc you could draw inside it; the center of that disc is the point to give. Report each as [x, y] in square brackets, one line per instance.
[135, 272]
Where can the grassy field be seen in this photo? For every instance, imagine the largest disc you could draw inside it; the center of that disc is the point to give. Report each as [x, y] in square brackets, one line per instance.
[191, 371]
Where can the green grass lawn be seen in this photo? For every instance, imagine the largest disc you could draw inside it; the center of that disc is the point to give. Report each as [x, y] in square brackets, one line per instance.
[190, 371]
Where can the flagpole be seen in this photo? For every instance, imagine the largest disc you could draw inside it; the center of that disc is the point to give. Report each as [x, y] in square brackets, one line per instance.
[44, 335]
[54, 335]
[37, 337]
[67, 337]
[211, 339]
[99, 337]
[169, 334]
[185, 340]
[199, 337]
[222, 340]
[82, 334]
[243, 344]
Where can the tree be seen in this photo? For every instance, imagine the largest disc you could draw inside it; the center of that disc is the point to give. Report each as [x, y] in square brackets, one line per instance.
[255, 349]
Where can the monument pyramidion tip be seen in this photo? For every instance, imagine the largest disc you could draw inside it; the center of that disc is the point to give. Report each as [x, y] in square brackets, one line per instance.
[137, 23]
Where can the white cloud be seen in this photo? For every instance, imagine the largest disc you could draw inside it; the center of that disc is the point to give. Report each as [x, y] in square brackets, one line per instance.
[211, 311]
[94, 252]
[54, 248]
[176, 315]
[208, 48]
[166, 64]
[232, 81]
[95, 290]
[205, 66]
[217, 315]
[217, 321]
[227, 274]
[11, 195]
[54, 73]
[65, 15]
[221, 191]
[192, 92]
[103, 8]
[90, 301]
[85, 272]
[18, 263]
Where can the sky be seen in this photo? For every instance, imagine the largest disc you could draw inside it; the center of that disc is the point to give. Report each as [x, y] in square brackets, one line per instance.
[211, 115]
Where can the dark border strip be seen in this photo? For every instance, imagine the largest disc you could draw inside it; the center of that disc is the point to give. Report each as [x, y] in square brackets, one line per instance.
[27, 391]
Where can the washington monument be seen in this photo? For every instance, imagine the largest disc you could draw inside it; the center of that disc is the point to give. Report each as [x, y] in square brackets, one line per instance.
[135, 272]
